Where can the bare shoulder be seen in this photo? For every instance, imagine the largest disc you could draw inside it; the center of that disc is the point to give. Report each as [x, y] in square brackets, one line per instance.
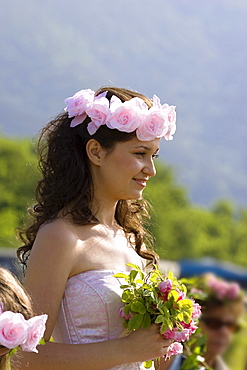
[59, 230]
[54, 246]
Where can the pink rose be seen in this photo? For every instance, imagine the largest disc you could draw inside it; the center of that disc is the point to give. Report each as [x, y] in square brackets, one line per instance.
[123, 315]
[77, 104]
[154, 125]
[171, 115]
[99, 113]
[125, 116]
[35, 332]
[13, 329]
[177, 335]
[174, 349]
[165, 286]
[196, 310]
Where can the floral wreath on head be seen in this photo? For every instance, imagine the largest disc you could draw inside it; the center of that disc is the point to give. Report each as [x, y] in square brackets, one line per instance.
[16, 331]
[209, 286]
[131, 115]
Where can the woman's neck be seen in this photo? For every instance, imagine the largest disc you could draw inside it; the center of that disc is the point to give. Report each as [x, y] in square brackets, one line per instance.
[105, 213]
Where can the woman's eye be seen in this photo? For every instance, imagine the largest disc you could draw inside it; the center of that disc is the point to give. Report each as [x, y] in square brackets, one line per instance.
[141, 153]
[155, 156]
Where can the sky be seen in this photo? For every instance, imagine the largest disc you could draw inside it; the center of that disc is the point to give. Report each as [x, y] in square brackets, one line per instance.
[192, 54]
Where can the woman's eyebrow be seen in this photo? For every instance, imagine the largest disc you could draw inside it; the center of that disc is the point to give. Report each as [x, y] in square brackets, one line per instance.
[146, 148]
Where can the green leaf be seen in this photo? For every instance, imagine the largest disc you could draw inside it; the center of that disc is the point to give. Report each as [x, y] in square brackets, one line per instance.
[159, 319]
[127, 296]
[154, 276]
[137, 306]
[185, 304]
[139, 281]
[187, 318]
[135, 267]
[146, 321]
[127, 309]
[42, 341]
[180, 317]
[170, 275]
[148, 364]
[121, 275]
[132, 275]
[135, 322]
[164, 326]
[12, 351]
[173, 294]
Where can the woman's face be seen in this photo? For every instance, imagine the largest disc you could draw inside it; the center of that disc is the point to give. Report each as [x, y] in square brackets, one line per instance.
[124, 172]
[218, 324]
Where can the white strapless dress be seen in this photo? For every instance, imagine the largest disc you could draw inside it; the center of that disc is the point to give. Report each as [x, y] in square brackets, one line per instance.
[89, 311]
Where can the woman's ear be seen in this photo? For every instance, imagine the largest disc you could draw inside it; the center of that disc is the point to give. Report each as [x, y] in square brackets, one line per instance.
[95, 152]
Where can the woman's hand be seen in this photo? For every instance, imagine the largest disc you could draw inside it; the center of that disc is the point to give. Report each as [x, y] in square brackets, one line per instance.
[146, 344]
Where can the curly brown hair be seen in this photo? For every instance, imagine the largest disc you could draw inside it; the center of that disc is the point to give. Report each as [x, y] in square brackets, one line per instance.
[67, 183]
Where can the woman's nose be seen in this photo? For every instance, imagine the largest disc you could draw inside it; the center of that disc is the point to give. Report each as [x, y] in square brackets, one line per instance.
[149, 169]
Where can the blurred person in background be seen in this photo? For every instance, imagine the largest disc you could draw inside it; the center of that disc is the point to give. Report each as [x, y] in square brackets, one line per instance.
[222, 306]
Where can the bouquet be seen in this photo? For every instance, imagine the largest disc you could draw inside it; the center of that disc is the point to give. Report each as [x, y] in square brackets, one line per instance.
[155, 298]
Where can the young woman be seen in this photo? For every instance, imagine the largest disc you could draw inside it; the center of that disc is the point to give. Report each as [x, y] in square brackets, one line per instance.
[89, 222]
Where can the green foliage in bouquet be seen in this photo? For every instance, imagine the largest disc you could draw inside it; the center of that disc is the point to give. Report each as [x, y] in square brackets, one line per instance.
[155, 298]
[144, 301]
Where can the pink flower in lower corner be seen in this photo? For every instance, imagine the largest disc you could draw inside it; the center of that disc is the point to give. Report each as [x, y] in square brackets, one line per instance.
[35, 332]
[123, 315]
[177, 335]
[13, 329]
[174, 349]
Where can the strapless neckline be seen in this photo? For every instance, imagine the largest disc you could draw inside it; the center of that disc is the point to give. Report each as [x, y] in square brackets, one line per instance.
[111, 271]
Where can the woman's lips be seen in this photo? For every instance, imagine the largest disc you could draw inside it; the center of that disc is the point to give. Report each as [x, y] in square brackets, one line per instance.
[141, 182]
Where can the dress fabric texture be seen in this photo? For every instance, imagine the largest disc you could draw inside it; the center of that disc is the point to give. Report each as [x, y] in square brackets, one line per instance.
[89, 311]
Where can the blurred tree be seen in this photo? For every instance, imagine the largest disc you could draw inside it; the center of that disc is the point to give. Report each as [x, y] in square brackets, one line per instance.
[18, 176]
[181, 229]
